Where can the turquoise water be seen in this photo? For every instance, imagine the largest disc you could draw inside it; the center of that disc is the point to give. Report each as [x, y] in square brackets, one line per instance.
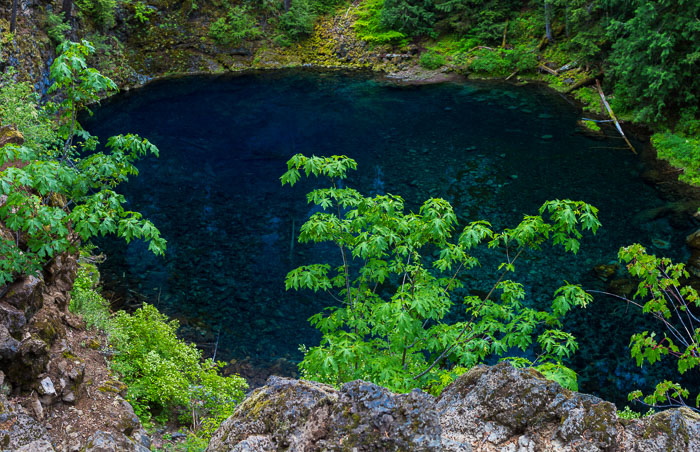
[495, 151]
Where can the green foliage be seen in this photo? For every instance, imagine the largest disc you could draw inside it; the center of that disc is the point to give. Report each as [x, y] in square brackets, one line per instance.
[163, 372]
[681, 151]
[655, 58]
[627, 413]
[87, 301]
[298, 21]
[432, 60]
[160, 370]
[56, 27]
[482, 20]
[398, 281]
[142, 12]
[44, 179]
[102, 12]
[410, 17]
[236, 26]
[369, 27]
[19, 107]
[672, 304]
[502, 62]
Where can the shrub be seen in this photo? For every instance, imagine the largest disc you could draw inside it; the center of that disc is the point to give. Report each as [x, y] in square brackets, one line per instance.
[674, 306]
[432, 60]
[369, 27]
[298, 21]
[61, 172]
[502, 62]
[87, 301]
[56, 27]
[681, 151]
[397, 282]
[236, 26]
[101, 11]
[163, 372]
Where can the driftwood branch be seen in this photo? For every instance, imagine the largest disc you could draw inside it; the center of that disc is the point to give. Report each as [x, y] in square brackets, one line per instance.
[612, 115]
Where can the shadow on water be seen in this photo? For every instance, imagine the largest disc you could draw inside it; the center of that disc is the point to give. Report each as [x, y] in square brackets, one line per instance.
[494, 151]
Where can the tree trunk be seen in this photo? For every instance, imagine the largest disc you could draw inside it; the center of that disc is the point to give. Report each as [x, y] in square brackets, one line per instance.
[13, 19]
[68, 10]
[287, 5]
[548, 20]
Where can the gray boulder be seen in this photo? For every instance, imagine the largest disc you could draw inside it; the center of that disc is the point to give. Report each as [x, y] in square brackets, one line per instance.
[112, 442]
[496, 408]
[18, 429]
[299, 415]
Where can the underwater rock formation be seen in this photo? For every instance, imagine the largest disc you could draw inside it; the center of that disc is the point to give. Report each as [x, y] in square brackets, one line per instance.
[496, 408]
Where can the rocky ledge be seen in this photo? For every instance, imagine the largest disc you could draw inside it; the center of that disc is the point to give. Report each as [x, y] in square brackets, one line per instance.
[497, 408]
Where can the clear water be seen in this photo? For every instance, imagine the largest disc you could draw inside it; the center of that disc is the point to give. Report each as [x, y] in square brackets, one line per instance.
[494, 151]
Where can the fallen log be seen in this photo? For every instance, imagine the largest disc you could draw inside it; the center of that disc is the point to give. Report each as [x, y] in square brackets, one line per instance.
[546, 69]
[585, 82]
[612, 115]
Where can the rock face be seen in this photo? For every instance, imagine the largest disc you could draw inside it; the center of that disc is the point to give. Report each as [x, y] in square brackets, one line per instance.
[497, 408]
[18, 429]
[301, 415]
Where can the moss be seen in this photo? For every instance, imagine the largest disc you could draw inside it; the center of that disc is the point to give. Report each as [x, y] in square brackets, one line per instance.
[93, 344]
[49, 330]
[591, 125]
[113, 386]
[68, 355]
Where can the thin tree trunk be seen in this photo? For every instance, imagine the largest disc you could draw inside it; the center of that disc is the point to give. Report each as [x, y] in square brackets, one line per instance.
[548, 20]
[287, 5]
[13, 19]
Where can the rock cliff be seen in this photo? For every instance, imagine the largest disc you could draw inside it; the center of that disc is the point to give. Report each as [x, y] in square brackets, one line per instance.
[56, 390]
[497, 408]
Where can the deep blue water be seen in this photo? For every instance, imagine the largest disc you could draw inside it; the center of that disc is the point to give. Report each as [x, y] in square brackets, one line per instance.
[495, 151]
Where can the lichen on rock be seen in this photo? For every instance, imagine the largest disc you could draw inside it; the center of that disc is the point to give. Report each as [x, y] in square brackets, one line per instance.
[496, 408]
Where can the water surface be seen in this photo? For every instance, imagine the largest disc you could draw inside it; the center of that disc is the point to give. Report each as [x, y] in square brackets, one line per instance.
[495, 151]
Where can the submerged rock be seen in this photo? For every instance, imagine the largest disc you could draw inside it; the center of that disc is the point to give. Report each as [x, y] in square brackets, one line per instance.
[497, 408]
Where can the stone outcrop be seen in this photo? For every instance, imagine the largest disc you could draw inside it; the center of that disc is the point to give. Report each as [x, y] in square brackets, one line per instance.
[18, 429]
[302, 415]
[497, 408]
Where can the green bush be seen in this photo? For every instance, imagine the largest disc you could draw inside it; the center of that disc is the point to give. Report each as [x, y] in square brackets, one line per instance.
[628, 413]
[19, 107]
[56, 27]
[398, 280]
[682, 152]
[502, 62]
[87, 301]
[59, 171]
[101, 11]
[369, 27]
[298, 21]
[236, 26]
[432, 60]
[661, 295]
[164, 373]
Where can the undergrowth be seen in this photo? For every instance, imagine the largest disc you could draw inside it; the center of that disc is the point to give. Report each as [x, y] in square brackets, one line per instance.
[167, 378]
